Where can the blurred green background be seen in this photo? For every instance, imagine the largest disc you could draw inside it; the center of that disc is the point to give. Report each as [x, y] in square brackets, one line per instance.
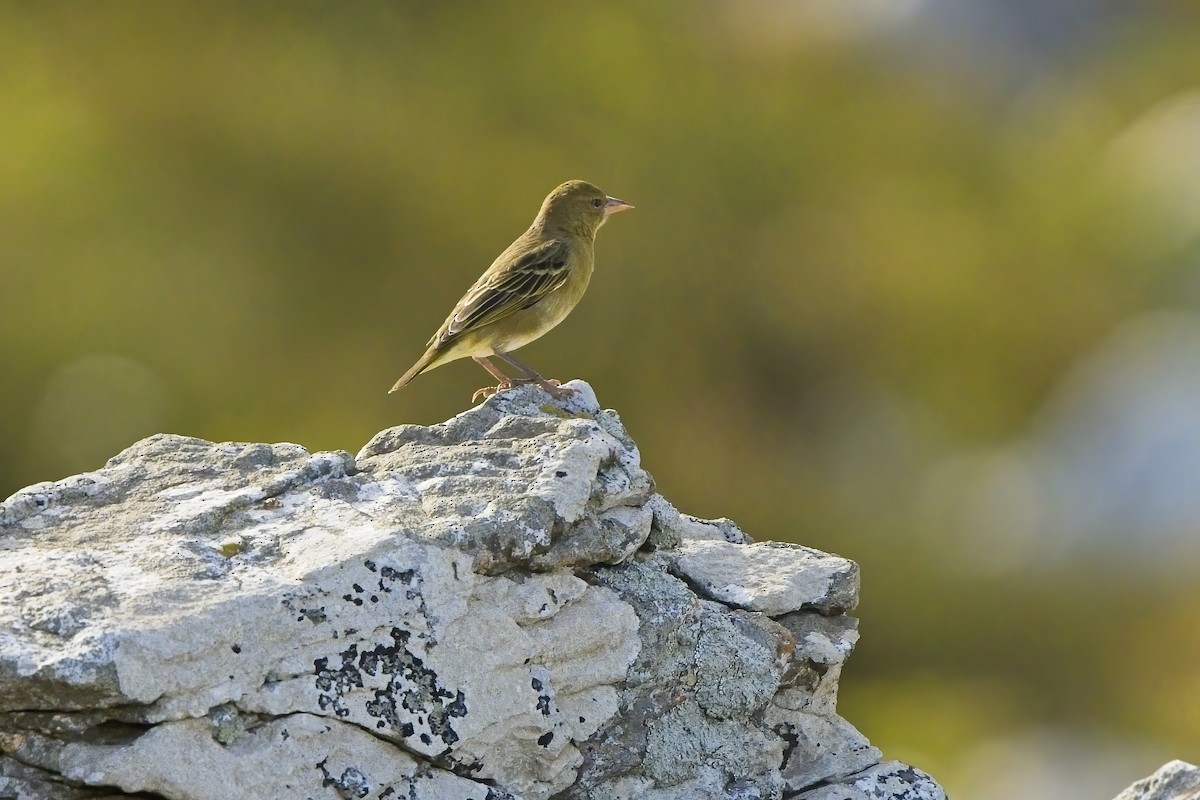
[912, 281]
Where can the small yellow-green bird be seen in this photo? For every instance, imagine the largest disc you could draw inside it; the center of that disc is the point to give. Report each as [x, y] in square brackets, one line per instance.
[528, 289]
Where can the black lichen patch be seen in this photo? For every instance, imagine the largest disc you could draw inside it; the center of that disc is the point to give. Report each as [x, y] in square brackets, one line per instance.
[464, 769]
[351, 783]
[543, 700]
[383, 708]
[546, 738]
[909, 776]
[390, 575]
[408, 577]
[412, 691]
[336, 682]
[305, 610]
[787, 732]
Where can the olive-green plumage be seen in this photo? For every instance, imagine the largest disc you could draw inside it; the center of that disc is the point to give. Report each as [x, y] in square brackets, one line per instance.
[528, 289]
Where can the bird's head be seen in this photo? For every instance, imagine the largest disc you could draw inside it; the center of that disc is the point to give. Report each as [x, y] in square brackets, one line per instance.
[578, 206]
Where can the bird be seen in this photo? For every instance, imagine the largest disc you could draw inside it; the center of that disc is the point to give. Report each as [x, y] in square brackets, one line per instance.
[530, 288]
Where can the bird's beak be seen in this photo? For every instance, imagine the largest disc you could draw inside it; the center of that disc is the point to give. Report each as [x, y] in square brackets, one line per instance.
[613, 205]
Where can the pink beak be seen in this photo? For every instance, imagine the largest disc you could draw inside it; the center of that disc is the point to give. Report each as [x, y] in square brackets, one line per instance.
[613, 205]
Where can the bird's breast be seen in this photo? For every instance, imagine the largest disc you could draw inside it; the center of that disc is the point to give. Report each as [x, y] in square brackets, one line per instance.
[529, 324]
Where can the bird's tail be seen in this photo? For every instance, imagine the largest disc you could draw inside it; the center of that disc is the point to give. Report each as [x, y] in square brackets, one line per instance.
[422, 364]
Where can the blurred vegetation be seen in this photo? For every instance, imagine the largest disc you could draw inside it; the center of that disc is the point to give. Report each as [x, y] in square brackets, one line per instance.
[847, 263]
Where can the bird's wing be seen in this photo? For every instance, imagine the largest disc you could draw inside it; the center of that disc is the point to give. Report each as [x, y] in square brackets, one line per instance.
[521, 284]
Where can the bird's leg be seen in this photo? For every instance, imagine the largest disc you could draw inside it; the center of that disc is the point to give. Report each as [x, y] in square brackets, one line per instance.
[487, 391]
[531, 376]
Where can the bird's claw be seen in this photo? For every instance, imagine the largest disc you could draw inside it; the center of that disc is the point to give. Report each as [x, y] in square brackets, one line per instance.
[556, 389]
[549, 385]
[488, 391]
[552, 387]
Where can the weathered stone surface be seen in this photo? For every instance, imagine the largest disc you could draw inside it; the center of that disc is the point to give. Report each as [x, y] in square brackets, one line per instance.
[693, 700]
[497, 606]
[22, 782]
[888, 780]
[822, 646]
[300, 755]
[509, 481]
[771, 577]
[1175, 780]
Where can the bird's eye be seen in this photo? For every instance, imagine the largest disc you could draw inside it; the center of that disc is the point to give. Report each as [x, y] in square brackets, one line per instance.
[598, 203]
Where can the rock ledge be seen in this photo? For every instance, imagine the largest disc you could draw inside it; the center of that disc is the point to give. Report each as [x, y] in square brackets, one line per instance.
[498, 606]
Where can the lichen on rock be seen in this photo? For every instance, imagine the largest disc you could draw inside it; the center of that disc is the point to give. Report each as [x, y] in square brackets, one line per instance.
[498, 606]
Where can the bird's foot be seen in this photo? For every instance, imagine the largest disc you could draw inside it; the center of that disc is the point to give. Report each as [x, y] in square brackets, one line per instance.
[488, 391]
[551, 386]
[554, 388]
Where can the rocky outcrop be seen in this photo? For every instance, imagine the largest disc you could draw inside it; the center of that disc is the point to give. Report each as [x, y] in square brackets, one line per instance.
[1175, 780]
[498, 606]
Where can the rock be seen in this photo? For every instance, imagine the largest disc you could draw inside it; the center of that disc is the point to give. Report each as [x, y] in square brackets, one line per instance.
[888, 780]
[498, 606]
[771, 577]
[1175, 780]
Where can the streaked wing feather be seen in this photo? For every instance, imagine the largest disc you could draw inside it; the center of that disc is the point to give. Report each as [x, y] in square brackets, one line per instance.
[531, 278]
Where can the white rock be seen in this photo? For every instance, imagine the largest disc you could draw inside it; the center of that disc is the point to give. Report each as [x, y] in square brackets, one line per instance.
[890, 780]
[298, 756]
[770, 577]
[1175, 780]
[498, 606]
